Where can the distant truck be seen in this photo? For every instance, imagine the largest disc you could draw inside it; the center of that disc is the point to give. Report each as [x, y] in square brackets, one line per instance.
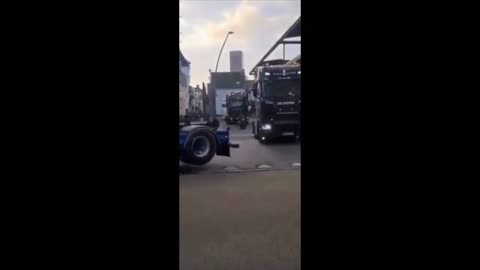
[237, 108]
[277, 95]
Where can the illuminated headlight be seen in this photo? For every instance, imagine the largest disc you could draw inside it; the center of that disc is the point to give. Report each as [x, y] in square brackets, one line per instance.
[299, 72]
[266, 127]
[269, 102]
[267, 73]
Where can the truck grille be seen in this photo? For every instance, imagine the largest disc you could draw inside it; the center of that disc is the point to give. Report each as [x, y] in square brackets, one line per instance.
[291, 116]
[286, 108]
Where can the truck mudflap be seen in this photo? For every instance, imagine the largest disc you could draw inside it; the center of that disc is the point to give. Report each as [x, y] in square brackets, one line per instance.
[224, 144]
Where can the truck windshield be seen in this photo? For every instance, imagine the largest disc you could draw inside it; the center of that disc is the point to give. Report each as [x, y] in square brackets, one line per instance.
[281, 88]
[236, 104]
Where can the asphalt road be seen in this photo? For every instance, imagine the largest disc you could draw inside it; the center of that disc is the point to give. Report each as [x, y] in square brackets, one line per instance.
[282, 154]
[234, 215]
[246, 220]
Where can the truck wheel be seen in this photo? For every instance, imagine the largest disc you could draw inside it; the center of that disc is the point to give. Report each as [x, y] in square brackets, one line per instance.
[200, 147]
[266, 141]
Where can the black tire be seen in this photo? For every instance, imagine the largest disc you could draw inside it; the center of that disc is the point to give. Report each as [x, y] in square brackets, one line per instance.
[194, 151]
[266, 141]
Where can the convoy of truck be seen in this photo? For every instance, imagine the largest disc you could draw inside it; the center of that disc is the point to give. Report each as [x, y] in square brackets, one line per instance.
[277, 96]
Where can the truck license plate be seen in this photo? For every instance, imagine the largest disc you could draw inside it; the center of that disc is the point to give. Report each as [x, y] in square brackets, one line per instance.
[288, 133]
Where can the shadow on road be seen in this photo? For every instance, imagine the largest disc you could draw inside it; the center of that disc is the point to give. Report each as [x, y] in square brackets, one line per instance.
[191, 169]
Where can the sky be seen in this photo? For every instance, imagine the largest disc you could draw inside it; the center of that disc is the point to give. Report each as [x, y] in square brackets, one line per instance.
[257, 25]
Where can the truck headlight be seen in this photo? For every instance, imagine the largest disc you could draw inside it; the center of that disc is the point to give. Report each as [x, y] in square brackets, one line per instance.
[266, 127]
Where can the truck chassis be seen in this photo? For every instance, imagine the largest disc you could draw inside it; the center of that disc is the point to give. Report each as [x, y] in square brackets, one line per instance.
[198, 144]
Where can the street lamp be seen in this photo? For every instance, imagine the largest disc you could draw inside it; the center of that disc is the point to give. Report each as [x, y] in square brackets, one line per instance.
[229, 33]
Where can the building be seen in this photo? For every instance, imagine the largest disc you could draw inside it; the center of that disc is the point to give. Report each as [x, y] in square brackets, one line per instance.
[205, 102]
[184, 81]
[195, 100]
[236, 61]
[222, 84]
[251, 98]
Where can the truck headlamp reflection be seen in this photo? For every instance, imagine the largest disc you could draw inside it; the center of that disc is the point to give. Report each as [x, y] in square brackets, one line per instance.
[266, 127]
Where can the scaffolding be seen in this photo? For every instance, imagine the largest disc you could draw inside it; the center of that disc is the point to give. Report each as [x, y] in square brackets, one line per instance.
[293, 31]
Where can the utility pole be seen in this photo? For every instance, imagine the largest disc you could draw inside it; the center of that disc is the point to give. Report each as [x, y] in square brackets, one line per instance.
[223, 45]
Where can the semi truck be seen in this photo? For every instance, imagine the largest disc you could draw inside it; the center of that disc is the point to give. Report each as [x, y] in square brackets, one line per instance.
[201, 142]
[277, 100]
[237, 109]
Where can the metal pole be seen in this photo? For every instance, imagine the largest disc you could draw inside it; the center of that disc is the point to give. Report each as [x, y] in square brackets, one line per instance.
[218, 60]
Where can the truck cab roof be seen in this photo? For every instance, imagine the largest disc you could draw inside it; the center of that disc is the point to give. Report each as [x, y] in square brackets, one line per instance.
[278, 67]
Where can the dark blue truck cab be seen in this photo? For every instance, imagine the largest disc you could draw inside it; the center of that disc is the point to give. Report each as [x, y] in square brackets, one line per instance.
[198, 144]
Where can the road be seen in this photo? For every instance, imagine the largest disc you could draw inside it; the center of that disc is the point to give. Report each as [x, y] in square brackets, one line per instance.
[235, 216]
[251, 155]
[247, 220]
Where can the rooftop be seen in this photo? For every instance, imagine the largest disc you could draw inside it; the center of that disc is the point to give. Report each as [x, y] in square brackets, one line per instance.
[228, 80]
[184, 60]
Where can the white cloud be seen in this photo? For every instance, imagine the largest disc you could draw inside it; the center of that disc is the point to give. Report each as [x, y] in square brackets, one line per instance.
[257, 25]
[244, 20]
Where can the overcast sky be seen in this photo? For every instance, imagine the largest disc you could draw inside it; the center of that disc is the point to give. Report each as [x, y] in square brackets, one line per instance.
[257, 24]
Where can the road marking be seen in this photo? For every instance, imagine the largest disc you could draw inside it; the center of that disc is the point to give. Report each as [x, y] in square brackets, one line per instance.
[231, 169]
[296, 164]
